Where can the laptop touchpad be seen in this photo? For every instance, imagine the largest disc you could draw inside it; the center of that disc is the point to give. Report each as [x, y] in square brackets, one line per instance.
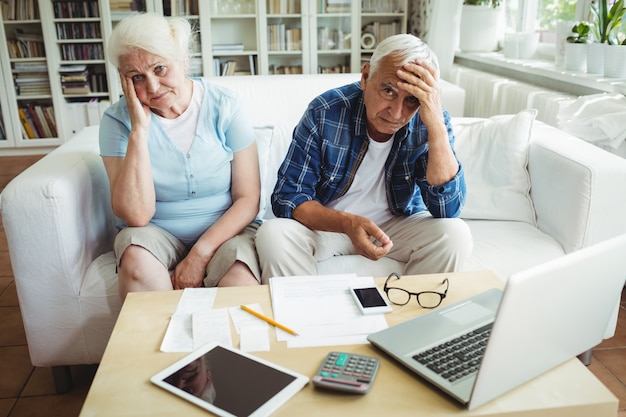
[467, 313]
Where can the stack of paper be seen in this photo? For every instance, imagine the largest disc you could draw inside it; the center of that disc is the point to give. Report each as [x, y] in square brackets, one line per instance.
[321, 310]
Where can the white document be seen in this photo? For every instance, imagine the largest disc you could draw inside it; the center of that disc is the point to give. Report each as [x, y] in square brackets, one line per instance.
[211, 325]
[253, 332]
[242, 318]
[179, 334]
[254, 339]
[321, 310]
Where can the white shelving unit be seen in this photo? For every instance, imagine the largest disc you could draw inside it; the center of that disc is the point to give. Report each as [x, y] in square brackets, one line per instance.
[30, 107]
[260, 36]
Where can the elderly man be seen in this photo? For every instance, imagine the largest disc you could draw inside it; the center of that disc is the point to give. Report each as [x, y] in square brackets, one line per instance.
[371, 170]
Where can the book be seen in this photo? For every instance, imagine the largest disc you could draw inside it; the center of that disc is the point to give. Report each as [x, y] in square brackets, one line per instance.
[229, 67]
[226, 47]
[41, 115]
[32, 118]
[29, 128]
[48, 113]
[3, 133]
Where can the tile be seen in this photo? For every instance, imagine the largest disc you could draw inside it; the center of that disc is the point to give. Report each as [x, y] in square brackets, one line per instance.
[8, 293]
[6, 405]
[610, 381]
[614, 359]
[5, 282]
[14, 165]
[5, 265]
[39, 399]
[15, 368]
[42, 383]
[4, 244]
[11, 327]
[68, 404]
[619, 340]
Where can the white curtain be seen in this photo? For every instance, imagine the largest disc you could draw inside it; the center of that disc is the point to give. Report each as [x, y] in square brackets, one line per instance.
[438, 23]
[419, 12]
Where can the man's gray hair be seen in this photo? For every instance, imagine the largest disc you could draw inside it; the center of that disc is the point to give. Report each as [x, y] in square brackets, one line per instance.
[406, 48]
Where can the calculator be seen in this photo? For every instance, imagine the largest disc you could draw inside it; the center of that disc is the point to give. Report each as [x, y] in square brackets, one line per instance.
[347, 372]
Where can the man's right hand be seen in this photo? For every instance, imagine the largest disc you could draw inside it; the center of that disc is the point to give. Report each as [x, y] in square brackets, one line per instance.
[368, 239]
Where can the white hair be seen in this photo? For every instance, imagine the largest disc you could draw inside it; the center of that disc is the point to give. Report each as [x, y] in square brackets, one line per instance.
[168, 37]
[406, 47]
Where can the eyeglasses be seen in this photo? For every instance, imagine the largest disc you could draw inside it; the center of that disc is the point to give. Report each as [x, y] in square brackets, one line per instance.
[426, 299]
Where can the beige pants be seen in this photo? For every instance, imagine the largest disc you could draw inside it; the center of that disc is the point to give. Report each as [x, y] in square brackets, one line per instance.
[170, 251]
[426, 244]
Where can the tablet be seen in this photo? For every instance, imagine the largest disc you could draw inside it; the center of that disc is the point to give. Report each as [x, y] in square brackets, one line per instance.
[229, 382]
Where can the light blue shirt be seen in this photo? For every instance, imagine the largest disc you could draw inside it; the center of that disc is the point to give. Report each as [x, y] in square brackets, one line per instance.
[193, 189]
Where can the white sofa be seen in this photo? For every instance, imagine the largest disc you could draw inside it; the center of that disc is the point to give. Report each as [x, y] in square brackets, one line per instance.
[60, 227]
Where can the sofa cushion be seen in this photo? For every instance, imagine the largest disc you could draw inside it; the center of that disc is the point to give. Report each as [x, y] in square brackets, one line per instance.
[506, 247]
[264, 135]
[494, 154]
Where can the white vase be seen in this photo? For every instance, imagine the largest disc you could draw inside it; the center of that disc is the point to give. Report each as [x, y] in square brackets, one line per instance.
[481, 28]
[615, 61]
[563, 30]
[595, 58]
[576, 57]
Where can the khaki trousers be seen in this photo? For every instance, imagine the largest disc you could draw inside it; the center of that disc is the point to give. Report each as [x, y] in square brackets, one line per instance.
[426, 244]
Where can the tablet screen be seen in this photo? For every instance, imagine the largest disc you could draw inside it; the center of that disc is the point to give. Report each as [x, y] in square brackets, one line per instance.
[229, 382]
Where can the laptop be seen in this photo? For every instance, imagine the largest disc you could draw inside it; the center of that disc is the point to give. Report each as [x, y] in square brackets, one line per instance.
[545, 316]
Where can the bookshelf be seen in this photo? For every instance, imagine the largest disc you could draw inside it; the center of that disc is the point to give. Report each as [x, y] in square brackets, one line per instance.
[82, 74]
[29, 109]
[380, 19]
[64, 43]
[286, 37]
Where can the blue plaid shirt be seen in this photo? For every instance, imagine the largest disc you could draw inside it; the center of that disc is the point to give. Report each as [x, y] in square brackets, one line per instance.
[328, 145]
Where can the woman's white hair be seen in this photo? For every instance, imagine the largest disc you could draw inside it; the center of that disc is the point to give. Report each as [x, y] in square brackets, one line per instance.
[168, 37]
[406, 48]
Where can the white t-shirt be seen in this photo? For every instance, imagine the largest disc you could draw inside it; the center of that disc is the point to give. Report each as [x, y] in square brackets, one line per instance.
[182, 129]
[367, 195]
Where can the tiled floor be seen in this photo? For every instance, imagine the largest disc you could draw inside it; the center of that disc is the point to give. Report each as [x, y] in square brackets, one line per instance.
[28, 392]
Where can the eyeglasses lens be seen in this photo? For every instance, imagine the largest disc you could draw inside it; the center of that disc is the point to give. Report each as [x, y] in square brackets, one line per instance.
[398, 296]
[429, 299]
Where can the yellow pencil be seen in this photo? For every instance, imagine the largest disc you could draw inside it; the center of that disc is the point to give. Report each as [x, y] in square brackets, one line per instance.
[269, 320]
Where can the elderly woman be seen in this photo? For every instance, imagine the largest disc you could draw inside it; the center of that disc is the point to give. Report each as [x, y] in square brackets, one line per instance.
[182, 164]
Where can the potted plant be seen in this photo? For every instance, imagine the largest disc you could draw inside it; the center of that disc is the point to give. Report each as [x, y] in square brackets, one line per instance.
[606, 22]
[482, 25]
[576, 48]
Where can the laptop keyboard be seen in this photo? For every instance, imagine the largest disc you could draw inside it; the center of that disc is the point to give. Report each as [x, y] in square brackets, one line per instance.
[459, 357]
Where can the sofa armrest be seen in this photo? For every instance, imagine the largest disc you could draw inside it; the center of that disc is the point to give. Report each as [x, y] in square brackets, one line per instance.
[577, 188]
[57, 218]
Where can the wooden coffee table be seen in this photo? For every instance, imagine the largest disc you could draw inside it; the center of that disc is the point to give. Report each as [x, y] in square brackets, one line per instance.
[121, 386]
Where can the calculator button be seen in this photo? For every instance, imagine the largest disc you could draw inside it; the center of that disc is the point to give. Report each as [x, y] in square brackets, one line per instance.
[341, 360]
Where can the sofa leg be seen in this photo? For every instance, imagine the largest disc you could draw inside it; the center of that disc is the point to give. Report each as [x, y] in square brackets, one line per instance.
[62, 377]
[585, 357]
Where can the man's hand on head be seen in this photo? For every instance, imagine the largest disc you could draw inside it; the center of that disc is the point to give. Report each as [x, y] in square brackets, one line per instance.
[421, 81]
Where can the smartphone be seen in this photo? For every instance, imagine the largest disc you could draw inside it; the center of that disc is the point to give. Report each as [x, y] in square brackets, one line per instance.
[370, 300]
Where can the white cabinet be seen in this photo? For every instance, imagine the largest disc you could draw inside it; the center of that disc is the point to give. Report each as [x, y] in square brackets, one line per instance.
[82, 75]
[30, 112]
[297, 36]
[72, 82]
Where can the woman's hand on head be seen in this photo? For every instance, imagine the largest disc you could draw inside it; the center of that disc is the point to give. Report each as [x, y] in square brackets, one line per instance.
[139, 113]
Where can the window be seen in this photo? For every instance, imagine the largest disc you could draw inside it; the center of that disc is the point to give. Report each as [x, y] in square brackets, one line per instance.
[551, 11]
[543, 15]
